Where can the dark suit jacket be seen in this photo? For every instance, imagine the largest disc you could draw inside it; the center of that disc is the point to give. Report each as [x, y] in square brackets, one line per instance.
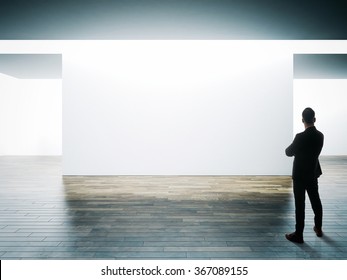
[306, 148]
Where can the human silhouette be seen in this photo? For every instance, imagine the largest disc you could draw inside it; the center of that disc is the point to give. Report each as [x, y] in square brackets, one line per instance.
[306, 148]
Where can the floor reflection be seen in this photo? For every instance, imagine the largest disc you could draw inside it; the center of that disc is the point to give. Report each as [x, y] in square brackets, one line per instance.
[46, 216]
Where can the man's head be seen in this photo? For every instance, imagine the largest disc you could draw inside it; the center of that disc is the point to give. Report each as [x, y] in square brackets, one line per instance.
[308, 116]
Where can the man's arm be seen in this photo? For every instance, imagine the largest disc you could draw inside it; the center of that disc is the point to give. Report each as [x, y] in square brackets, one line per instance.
[291, 150]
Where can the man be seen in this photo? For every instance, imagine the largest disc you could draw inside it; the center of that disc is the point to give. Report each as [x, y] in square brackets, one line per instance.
[306, 148]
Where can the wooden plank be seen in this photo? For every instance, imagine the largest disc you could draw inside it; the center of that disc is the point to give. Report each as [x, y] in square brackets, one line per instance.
[46, 216]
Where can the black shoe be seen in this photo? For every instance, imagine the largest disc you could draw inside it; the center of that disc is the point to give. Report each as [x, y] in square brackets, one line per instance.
[318, 231]
[293, 237]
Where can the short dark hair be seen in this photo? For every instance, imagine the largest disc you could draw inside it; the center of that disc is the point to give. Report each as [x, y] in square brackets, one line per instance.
[308, 115]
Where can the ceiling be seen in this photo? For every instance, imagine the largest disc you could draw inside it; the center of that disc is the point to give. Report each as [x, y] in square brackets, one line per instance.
[172, 19]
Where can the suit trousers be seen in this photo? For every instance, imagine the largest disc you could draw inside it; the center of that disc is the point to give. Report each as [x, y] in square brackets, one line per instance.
[300, 188]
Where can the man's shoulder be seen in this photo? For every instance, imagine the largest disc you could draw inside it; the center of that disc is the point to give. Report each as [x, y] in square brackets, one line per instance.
[318, 132]
[300, 134]
[310, 132]
[311, 129]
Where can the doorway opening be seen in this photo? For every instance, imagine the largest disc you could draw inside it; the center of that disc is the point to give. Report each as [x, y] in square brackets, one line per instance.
[320, 82]
[31, 104]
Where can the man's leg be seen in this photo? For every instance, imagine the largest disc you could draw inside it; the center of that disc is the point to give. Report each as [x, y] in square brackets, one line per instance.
[312, 191]
[299, 196]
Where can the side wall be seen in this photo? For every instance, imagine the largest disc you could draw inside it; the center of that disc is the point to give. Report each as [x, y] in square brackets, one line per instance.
[30, 116]
[328, 97]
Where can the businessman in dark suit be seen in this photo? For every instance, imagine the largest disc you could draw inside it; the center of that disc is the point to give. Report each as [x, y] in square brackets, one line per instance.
[306, 148]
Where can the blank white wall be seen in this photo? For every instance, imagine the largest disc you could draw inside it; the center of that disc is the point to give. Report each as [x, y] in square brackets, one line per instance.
[176, 107]
[328, 97]
[250, 143]
[30, 116]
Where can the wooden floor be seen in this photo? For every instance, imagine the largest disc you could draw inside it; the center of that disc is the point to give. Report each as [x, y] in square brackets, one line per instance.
[46, 216]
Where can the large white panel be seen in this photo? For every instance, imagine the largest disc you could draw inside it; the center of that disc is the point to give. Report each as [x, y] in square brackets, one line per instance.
[176, 107]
